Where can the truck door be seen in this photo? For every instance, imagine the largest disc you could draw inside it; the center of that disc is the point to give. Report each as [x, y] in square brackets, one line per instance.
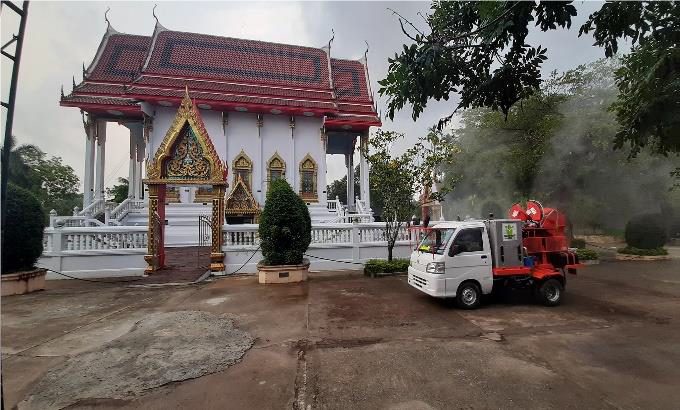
[469, 257]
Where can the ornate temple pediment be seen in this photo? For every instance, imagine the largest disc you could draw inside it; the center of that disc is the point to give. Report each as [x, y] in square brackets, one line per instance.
[241, 200]
[187, 155]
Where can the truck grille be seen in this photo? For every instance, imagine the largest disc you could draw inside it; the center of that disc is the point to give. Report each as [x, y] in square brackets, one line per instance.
[418, 281]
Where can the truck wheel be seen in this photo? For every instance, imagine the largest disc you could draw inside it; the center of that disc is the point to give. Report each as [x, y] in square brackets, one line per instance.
[550, 292]
[469, 296]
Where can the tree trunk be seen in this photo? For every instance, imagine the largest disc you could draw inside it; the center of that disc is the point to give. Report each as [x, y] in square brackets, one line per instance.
[390, 246]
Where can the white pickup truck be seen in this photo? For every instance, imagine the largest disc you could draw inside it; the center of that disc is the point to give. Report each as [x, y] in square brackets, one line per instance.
[467, 259]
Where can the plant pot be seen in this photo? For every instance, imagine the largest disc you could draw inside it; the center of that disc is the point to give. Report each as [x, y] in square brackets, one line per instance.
[23, 282]
[283, 273]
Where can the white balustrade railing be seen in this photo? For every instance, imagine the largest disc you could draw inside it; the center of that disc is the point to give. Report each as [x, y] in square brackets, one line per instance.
[119, 212]
[322, 234]
[94, 238]
[97, 206]
[240, 235]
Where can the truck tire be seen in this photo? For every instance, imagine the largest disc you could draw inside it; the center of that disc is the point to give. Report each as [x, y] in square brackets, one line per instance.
[469, 296]
[550, 292]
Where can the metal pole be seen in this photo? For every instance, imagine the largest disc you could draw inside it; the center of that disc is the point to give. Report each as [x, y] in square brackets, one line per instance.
[10, 107]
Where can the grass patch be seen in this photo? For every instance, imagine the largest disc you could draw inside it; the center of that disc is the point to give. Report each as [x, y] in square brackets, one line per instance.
[375, 266]
[629, 250]
[587, 254]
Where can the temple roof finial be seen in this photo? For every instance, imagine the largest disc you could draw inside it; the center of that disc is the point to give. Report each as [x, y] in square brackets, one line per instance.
[153, 12]
[62, 91]
[106, 18]
[74, 82]
[332, 38]
[84, 71]
[366, 52]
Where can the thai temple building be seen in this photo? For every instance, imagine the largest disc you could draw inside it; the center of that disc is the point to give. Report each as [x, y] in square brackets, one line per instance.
[212, 121]
[270, 111]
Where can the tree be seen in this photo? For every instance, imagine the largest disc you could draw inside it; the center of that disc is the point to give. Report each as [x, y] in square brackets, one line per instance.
[119, 192]
[556, 146]
[285, 226]
[402, 176]
[23, 230]
[53, 183]
[479, 50]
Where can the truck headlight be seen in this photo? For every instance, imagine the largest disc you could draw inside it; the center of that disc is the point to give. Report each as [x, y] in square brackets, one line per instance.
[435, 267]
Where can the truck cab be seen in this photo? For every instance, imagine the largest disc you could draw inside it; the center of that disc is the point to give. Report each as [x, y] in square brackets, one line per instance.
[453, 259]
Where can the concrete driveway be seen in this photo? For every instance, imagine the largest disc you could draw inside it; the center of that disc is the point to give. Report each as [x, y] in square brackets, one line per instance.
[346, 341]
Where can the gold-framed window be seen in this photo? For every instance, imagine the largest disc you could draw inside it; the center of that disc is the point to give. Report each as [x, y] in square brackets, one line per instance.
[308, 177]
[276, 168]
[243, 167]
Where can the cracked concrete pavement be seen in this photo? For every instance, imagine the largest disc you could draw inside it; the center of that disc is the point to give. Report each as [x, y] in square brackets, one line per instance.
[345, 341]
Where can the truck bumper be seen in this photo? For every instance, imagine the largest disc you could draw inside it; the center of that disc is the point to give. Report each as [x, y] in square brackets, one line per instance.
[433, 285]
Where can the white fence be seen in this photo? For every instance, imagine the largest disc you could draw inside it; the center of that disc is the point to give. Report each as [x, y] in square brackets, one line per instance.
[101, 251]
[333, 246]
[97, 251]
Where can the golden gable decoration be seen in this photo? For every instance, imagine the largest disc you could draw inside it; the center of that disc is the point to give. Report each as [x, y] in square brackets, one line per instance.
[241, 200]
[186, 155]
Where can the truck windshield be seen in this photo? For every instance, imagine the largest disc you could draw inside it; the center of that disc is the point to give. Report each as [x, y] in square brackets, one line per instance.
[435, 240]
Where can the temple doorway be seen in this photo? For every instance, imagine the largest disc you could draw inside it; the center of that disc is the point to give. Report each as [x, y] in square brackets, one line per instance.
[186, 157]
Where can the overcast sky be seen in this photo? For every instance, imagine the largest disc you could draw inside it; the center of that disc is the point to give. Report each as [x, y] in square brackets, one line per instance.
[60, 36]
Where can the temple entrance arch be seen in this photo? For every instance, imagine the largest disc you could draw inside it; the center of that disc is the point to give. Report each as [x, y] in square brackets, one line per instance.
[185, 157]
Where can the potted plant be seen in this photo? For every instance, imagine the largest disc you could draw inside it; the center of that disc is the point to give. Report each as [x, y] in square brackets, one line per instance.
[285, 233]
[22, 243]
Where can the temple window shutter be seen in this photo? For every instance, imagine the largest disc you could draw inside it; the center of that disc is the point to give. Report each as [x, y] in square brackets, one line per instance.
[308, 174]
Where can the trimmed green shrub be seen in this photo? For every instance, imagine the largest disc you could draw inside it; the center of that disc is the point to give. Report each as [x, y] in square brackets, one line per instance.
[285, 226]
[24, 224]
[578, 243]
[629, 250]
[375, 266]
[587, 254]
[646, 232]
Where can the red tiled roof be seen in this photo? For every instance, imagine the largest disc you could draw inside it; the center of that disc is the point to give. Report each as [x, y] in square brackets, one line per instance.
[223, 72]
[223, 58]
[349, 79]
[121, 59]
[73, 99]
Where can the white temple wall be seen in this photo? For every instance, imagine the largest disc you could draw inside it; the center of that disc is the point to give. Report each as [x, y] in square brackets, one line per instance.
[308, 141]
[242, 134]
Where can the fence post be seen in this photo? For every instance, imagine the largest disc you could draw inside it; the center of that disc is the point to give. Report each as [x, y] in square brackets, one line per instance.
[356, 240]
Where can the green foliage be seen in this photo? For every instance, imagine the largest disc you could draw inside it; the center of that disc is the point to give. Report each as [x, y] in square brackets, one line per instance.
[578, 243]
[24, 226]
[556, 146]
[480, 51]
[53, 183]
[399, 178]
[587, 254]
[285, 226]
[375, 266]
[119, 192]
[648, 106]
[630, 250]
[646, 231]
[476, 49]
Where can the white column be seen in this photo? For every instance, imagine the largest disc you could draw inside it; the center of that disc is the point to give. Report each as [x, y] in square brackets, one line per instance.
[88, 177]
[101, 160]
[349, 160]
[132, 169]
[321, 177]
[364, 181]
[141, 155]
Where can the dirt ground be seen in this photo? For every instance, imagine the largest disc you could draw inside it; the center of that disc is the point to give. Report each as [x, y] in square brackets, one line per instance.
[345, 341]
